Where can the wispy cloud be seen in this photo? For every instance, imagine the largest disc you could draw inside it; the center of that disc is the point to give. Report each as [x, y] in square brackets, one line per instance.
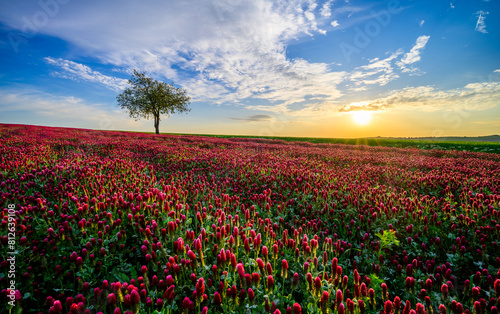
[474, 96]
[254, 118]
[38, 106]
[413, 56]
[421, 23]
[378, 71]
[77, 71]
[382, 71]
[362, 106]
[481, 25]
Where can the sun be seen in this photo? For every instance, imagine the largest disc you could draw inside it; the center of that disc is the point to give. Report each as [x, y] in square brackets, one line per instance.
[362, 117]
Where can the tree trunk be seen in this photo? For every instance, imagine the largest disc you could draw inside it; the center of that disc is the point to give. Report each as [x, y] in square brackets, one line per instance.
[157, 124]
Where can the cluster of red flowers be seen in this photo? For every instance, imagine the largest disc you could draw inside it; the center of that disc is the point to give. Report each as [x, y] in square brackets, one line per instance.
[112, 222]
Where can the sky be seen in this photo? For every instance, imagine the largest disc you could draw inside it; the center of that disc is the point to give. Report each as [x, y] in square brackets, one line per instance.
[335, 68]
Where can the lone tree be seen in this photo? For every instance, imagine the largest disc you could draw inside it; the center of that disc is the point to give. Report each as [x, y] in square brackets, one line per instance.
[148, 98]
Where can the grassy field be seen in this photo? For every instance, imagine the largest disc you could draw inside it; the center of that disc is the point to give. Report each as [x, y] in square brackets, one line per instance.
[472, 146]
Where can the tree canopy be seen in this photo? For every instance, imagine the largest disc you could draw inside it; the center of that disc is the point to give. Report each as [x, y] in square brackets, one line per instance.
[148, 98]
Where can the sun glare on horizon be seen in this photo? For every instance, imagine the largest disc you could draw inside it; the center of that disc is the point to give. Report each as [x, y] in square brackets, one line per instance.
[362, 117]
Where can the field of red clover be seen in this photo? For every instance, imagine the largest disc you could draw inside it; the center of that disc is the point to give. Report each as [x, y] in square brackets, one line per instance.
[117, 222]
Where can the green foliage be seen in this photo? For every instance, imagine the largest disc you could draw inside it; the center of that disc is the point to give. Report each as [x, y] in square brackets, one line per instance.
[387, 240]
[148, 98]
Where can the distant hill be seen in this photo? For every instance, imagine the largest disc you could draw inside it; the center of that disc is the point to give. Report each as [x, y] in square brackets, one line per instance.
[488, 138]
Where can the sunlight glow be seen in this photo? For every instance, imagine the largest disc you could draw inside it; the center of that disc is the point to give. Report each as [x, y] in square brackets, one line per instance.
[362, 117]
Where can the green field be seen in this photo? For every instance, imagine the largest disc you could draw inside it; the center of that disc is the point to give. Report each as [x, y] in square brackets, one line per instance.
[462, 145]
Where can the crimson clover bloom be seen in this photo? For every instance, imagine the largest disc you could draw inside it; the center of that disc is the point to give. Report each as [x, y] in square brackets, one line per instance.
[325, 297]
[251, 294]
[295, 280]
[169, 293]
[341, 308]
[136, 299]
[111, 299]
[297, 309]
[350, 306]
[361, 306]
[200, 287]
[270, 282]
[388, 307]
[444, 290]
[269, 269]
[317, 283]
[309, 280]
[256, 279]
[284, 268]
[242, 296]
[217, 298]
[241, 270]
[442, 309]
[186, 303]
[339, 296]
[420, 308]
[57, 306]
[191, 256]
[397, 304]
[260, 263]
[364, 291]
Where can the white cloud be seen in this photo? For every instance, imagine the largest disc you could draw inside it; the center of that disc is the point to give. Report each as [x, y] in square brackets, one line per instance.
[223, 51]
[413, 56]
[326, 10]
[378, 71]
[497, 71]
[237, 49]
[76, 71]
[382, 71]
[451, 5]
[421, 23]
[474, 96]
[481, 25]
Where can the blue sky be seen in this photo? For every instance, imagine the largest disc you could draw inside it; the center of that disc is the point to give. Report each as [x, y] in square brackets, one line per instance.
[298, 68]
